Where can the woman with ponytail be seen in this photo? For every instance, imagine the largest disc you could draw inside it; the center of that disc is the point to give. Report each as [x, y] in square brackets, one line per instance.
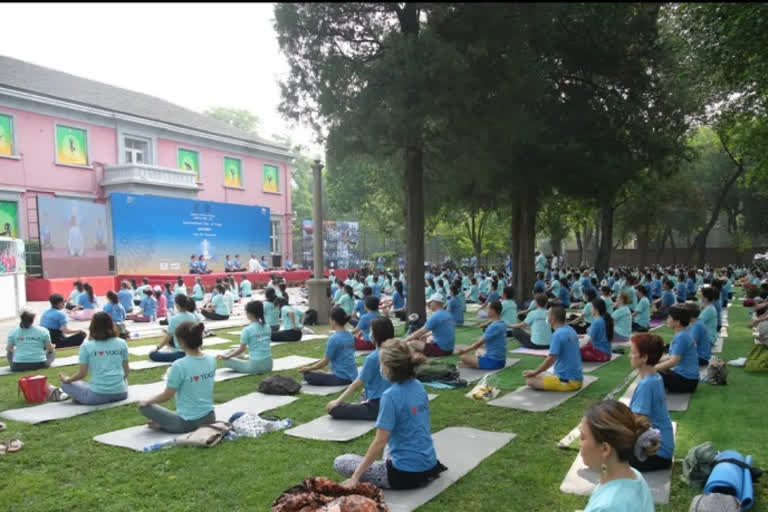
[339, 354]
[402, 425]
[29, 346]
[598, 348]
[191, 380]
[86, 304]
[611, 435]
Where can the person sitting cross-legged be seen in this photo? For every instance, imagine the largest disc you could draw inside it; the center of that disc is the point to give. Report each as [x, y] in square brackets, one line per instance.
[563, 354]
[256, 339]
[495, 340]
[536, 319]
[442, 328]
[339, 354]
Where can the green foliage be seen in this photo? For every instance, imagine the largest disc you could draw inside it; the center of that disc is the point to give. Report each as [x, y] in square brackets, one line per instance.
[238, 117]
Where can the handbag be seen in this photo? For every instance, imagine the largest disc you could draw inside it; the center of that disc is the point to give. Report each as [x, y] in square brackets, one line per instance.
[34, 388]
[207, 435]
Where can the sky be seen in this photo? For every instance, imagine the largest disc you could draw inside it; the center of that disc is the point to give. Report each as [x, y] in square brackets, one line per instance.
[195, 55]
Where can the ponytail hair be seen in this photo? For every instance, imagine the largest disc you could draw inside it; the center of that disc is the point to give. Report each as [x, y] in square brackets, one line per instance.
[89, 290]
[399, 360]
[27, 319]
[599, 306]
[190, 304]
[382, 330]
[256, 309]
[191, 334]
[628, 434]
[339, 316]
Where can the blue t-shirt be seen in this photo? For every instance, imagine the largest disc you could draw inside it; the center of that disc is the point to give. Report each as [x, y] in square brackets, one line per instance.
[539, 286]
[53, 318]
[495, 337]
[257, 337]
[193, 377]
[175, 321]
[193, 266]
[565, 297]
[541, 332]
[398, 302]
[375, 383]
[365, 324]
[116, 311]
[565, 345]
[622, 321]
[149, 306]
[701, 337]
[492, 296]
[85, 302]
[271, 313]
[30, 344]
[627, 495]
[229, 264]
[656, 288]
[456, 309]
[125, 297]
[404, 413]
[340, 350]
[708, 318]
[360, 308]
[105, 364]
[599, 336]
[650, 399]
[443, 329]
[643, 312]
[667, 300]
[684, 346]
[376, 289]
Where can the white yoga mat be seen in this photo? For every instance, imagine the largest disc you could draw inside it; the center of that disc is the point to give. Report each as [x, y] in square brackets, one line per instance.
[475, 374]
[676, 402]
[592, 366]
[581, 480]
[325, 428]
[528, 399]
[291, 362]
[144, 350]
[723, 332]
[304, 337]
[138, 437]
[460, 449]
[718, 346]
[57, 363]
[542, 352]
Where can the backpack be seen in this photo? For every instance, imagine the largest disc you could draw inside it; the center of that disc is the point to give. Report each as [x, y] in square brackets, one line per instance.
[206, 435]
[279, 385]
[122, 331]
[310, 317]
[757, 360]
[715, 503]
[716, 372]
[439, 371]
[415, 322]
[698, 464]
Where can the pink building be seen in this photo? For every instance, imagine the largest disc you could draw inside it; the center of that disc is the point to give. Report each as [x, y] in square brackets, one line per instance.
[131, 143]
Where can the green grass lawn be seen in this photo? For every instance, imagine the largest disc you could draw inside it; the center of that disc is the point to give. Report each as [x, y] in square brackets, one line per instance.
[61, 468]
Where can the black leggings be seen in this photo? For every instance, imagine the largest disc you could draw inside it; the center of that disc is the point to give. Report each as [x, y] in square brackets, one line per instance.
[638, 328]
[325, 379]
[289, 335]
[61, 341]
[676, 383]
[652, 463]
[401, 315]
[525, 339]
[361, 411]
[211, 315]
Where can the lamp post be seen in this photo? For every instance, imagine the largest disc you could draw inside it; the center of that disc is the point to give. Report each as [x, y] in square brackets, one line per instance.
[319, 286]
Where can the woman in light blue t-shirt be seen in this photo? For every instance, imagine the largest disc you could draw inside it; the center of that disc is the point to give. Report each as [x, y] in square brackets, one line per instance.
[190, 380]
[339, 354]
[255, 338]
[290, 322]
[621, 487]
[105, 357]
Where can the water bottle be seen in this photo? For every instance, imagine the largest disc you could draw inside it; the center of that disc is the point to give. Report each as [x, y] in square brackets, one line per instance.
[159, 446]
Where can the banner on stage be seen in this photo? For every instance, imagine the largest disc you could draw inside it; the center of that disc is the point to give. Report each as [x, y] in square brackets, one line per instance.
[340, 244]
[157, 235]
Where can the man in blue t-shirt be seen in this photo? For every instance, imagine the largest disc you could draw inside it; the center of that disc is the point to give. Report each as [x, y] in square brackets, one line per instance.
[440, 326]
[564, 354]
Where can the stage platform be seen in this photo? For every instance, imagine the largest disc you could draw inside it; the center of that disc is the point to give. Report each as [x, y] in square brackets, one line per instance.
[41, 289]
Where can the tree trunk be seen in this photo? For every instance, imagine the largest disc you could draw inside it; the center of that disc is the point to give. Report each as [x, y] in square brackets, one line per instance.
[674, 247]
[580, 246]
[524, 259]
[603, 261]
[661, 245]
[643, 240]
[556, 241]
[514, 236]
[596, 241]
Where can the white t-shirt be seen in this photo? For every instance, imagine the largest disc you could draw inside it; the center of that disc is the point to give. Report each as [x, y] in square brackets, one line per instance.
[554, 262]
[254, 265]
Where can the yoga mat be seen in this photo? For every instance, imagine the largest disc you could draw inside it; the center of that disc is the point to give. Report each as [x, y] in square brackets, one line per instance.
[676, 402]
[542, 352]
[359, 353]
[145, 365]
[581, 480]
[57, 363]
[144, 350]
[475, 374]
[723, 332]
[718, 346]
[592, 366]
[138, 437]
[656, 323]
[460, 449]
[325, 428]
[304, 337]
[291, 362]
[527, 399]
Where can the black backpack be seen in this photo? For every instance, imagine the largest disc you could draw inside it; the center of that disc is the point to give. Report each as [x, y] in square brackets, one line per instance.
[279, 385]
[310, 317]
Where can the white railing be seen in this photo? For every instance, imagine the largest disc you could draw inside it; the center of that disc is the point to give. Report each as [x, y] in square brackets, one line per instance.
[153, 175]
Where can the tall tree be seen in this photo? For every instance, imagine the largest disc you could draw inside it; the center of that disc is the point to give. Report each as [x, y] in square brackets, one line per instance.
[238, 117]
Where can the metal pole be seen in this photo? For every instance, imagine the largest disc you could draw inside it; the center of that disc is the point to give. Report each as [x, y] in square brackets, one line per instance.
[317, 219]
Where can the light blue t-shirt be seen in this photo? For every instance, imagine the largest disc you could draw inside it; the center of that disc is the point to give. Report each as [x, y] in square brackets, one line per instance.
[622, 494]
[105, 364]
[197, 292]
[608, 304]
[175, 321]
[179, 289]
[599, 336]
[220, 305]
[474, 293]
[456, 309]
[53, 318]
[116, 311]
[85, 302]
[257, 338]
[587, 313]
[30, 344]
[340, 351]
[443, 329]
[708, 318]
[271, 313]
[375, 383]
[495, 337]
[193, 377]
[684, 346]
[541, 332]
[364, 324]
[347, 303]
[125, 297]
[643, 312]
[622, 321]
[149, 306]
[650, 399]
[245, 288]
[509, 311]
[74, 295]
[565, 345]
[404, 413]
[285, 318]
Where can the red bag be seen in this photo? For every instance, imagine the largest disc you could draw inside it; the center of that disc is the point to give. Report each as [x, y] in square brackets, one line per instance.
[35, 388]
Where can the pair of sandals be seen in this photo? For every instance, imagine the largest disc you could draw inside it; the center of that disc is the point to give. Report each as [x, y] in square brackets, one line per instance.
[11, 445]
[56, 395]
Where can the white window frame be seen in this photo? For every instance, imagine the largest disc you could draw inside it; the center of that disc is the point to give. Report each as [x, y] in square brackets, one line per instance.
[14, 143]
[148, 157]
[56, 124]
[275, 235]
